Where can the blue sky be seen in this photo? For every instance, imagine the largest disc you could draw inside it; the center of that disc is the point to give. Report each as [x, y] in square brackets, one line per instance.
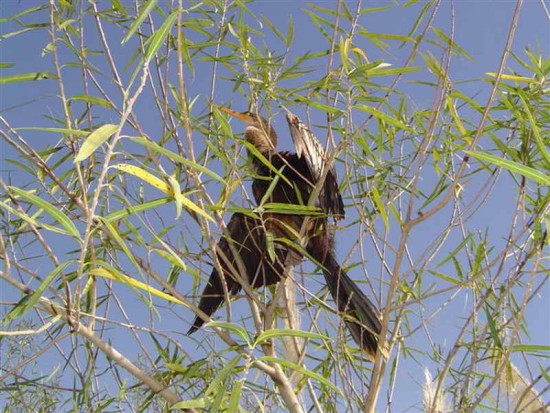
[480, 27]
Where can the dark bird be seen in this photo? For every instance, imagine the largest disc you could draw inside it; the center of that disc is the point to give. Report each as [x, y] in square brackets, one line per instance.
[298, 175]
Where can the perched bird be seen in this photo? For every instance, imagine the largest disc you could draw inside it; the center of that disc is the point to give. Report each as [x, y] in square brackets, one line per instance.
[298, 175]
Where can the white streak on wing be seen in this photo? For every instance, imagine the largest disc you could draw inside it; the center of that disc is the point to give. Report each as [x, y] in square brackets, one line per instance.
[307, 144]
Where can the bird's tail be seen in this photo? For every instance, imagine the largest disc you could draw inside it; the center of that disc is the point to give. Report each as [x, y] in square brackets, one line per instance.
[360, 314]
[211, 299]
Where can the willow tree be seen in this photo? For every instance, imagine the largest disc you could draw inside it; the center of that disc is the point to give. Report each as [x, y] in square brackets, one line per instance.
[119, 174]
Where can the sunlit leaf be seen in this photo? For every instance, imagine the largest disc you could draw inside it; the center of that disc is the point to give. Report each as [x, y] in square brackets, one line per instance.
[158, 38]
[29, 301]
[48, 208]
[526, 171]
[94, 141]
[27, 77]
[101, 272]
[145, 10]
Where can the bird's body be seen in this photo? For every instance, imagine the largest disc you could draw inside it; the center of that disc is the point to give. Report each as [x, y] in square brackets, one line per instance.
[299, 174]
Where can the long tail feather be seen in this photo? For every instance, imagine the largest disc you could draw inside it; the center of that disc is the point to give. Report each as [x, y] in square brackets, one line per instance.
[361, 316]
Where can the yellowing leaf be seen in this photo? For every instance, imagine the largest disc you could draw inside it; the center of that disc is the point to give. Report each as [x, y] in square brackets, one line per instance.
[100, 272]
[95, 140]
[164, 187]
[145, 176]
[520, 79]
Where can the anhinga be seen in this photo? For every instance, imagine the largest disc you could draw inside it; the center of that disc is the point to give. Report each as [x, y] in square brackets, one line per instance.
[303, 170]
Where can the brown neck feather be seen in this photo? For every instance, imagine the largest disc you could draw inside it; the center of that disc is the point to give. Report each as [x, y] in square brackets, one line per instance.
[264, 141]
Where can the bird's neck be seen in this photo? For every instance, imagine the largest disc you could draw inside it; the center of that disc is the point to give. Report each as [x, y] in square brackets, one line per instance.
[265, 141]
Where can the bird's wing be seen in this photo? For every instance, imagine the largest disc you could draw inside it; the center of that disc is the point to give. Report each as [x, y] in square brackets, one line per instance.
[309, 147]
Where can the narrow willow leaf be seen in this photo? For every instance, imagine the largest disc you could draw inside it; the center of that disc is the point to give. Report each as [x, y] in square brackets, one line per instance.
[235, 396]
[526, 171]
[48, 208]
[191, 404]
[33, 221]
[64, 131]
[145, 176]
[195, 208]
[493, 328]
[216, 384]
[455, 251]
[451, 43]
[173, 258]
[5, 65]
[454, 114]
[93, 100]
[446, 278]
[264, 160]
[176, 191]
[535, 128]
[27, 77]
[300, 369]
[380, 206]
[115, 216]
[175, 157]
[94, 141]
[317, 105]
[519, 79]
[270, 244]
[22, 13]
[241, 332]
[145, 10]
[164, 187]
[271, 187]
[158, 38]
[280, 208]
[269, 334]
[29, 301]
[393, 71]
[101, 272]
[384, 117]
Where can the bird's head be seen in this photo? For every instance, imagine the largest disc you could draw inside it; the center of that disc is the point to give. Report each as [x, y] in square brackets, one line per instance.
[258, 130]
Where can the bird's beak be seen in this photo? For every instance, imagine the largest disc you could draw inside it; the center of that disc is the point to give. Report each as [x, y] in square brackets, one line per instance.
[242, 116]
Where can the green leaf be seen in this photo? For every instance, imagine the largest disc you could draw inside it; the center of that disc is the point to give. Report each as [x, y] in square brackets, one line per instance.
[526, 171]
[215, 385]
[302, 370]
[535, 128]
[23, 13]
[93, 100]
[175, 157]
[29, 301]
[27, 77]
[380, 206]
[49, 208]
[241, 332]
[255, 152]
[158, 38]
[33, 221]
[384, 117]
[95, 140]
[280, 208]
[145, 10]
[190, 404]
[76, 132]
[269, 334]
[446, 278]
[493, 328]
[4, 65]
[393, 71]
[235, 396]
[115, 216]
